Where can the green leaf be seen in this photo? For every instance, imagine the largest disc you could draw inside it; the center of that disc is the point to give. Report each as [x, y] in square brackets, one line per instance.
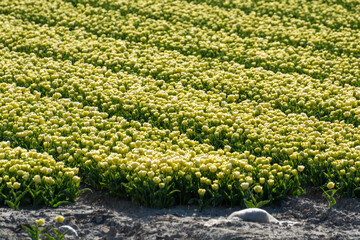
[85, 190]
[249, 204]
[21, 196]
[262, 203]
[11, 204]
[329, 195]
[59, 203]
[62, 235]
[48, 237]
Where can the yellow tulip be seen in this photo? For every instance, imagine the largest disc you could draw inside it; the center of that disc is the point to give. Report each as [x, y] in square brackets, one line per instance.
[258, 188]
[330, 185]
[40, 221]
[59, 219]
[201, 192]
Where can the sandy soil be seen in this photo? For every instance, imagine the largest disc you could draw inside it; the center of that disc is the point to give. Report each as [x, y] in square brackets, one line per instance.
[97, 216]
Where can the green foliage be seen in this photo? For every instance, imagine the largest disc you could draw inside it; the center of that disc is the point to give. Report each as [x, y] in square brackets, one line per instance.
[329, 195]
[35, 233]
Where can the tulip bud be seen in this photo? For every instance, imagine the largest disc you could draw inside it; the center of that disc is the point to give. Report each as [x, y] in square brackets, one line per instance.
[40, 221]
[330, 185]
[262, 180]
[201, 192]
[244, 185]
[258, 188]
[59, 219]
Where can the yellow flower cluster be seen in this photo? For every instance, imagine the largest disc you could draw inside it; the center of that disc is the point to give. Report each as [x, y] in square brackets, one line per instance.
[259, 46]
[326, 98]
[108, 146]
[34, 172]
[180, 99]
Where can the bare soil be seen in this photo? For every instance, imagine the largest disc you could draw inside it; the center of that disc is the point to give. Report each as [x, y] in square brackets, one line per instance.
[98, 216]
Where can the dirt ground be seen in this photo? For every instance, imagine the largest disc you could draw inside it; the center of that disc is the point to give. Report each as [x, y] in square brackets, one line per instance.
[97, 216]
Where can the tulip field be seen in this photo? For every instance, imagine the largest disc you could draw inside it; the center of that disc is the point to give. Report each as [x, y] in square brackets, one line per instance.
[165, 102]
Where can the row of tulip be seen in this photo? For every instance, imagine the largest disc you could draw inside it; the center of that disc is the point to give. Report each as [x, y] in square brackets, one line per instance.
[334, 14]
[241, 21]
[252, 51]
[125, 97]
[325, 100]
[222, 124]
[165, 105]
[128, 158]
[30, 177]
